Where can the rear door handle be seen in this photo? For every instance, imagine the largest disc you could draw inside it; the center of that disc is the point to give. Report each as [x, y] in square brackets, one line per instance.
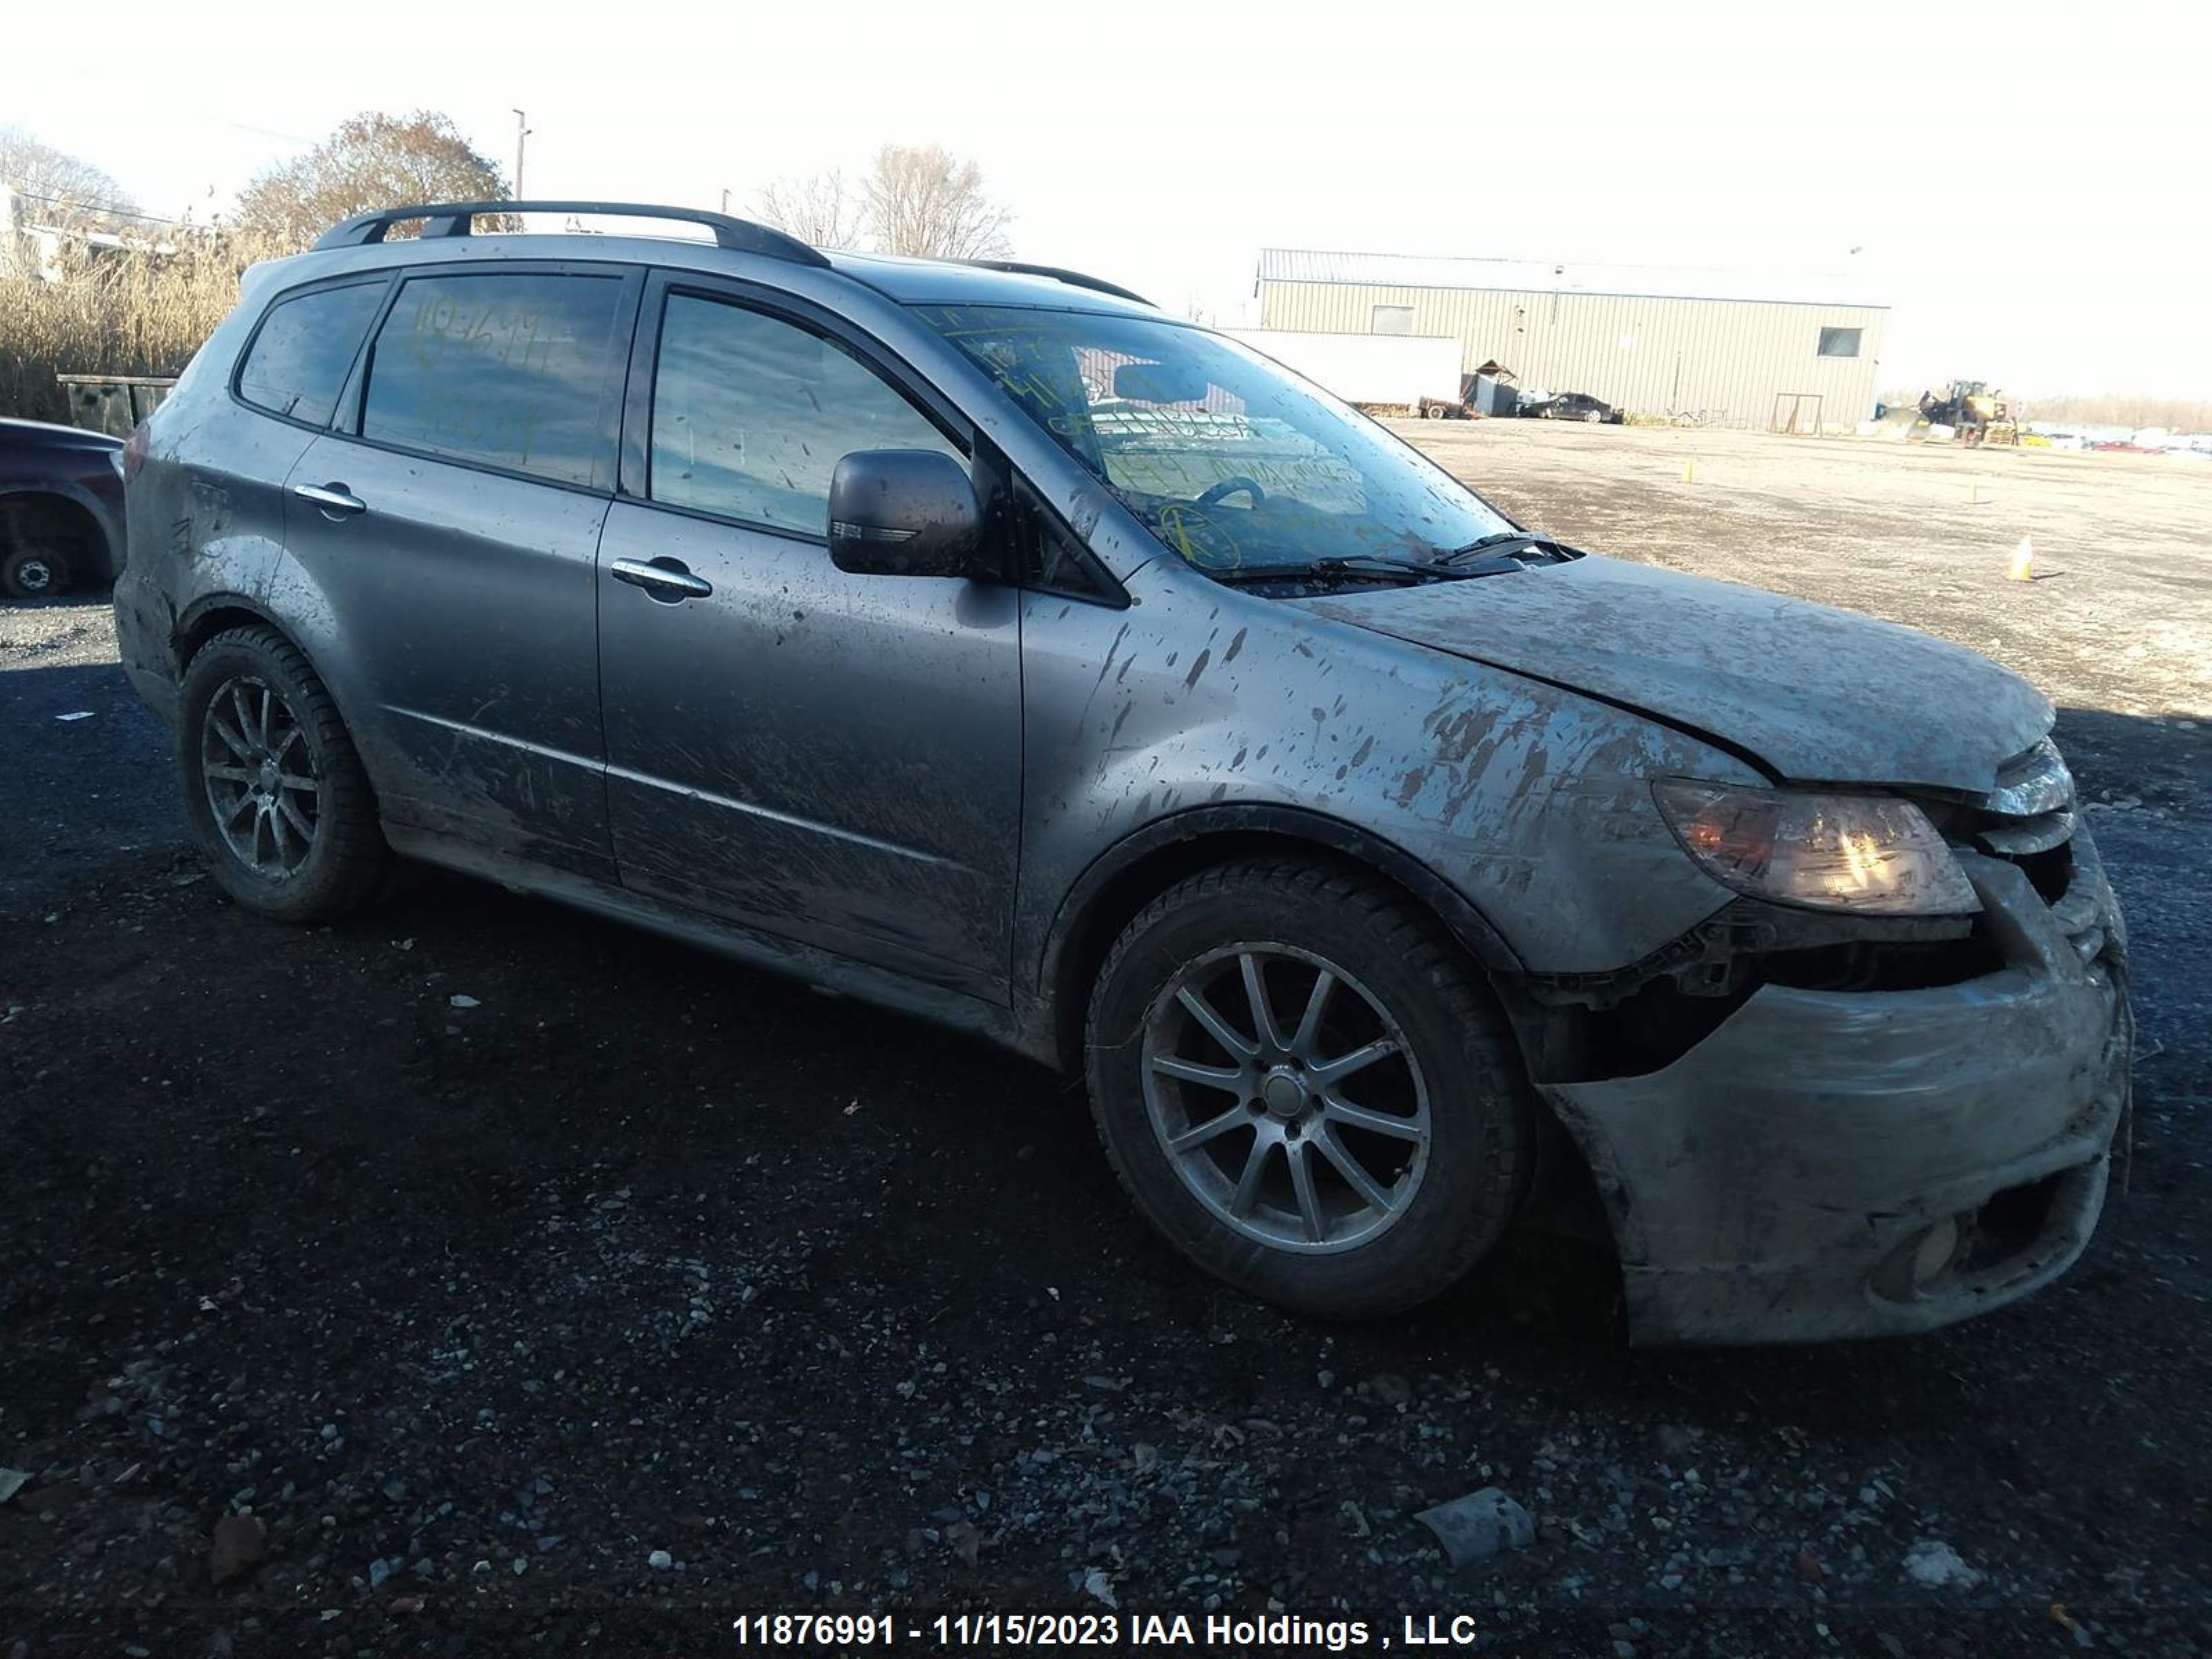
[669, 581]
[334, 500]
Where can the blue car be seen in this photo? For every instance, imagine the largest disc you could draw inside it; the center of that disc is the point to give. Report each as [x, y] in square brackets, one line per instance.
[61, 509]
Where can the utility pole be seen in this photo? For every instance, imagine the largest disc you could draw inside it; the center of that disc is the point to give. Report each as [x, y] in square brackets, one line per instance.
[726, 199]
[521, 132]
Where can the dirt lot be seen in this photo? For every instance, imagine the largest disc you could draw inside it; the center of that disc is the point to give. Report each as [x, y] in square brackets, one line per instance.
[480, 1306]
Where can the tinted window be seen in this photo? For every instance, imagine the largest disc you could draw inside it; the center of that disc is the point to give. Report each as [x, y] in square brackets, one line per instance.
[504, 368]
[751, 415]
[300, 356]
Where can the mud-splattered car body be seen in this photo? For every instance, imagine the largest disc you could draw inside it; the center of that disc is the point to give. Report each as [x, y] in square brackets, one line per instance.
[949, 796]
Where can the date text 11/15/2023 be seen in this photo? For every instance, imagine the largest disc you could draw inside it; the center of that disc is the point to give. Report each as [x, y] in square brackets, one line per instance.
[962, 1632]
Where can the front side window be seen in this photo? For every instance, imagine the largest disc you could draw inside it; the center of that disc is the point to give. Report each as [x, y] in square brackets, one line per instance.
[1232, 461]
[751, 415]
[301, 351]
[504, 369]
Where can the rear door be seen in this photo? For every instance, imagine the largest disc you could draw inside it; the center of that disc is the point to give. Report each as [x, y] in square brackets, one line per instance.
[834, 758]
[450, 523]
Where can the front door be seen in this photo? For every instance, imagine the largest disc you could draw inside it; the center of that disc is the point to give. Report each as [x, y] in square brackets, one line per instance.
[833, 758]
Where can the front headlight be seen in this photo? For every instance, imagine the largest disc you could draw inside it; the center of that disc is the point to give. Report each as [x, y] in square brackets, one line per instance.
[1870, 854]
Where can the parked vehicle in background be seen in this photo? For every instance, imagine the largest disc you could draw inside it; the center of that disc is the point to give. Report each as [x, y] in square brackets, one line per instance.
[993, 645]
[61, 509]
[1573, 406]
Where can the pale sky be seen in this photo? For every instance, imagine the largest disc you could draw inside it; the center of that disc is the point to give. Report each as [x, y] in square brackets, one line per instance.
[2030, 188]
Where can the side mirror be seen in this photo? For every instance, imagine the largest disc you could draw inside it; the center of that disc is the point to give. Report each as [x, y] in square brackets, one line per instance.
[905, 513]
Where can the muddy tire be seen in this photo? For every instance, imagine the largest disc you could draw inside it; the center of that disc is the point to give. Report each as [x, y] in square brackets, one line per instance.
[34, 573]
[1370, 1053]
[272, 788]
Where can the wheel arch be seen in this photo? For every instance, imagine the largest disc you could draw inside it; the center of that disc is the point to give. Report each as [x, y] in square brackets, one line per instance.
[217, 613]
[212, 614]
[1136, 869]
[88, 519]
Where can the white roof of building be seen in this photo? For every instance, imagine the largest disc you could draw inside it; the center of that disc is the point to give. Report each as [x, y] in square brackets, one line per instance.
[1288, 264]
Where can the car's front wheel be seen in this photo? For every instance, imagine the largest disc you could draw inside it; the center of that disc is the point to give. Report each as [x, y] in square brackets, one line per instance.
[1305, 1087]
[272, 787]
[34, 572]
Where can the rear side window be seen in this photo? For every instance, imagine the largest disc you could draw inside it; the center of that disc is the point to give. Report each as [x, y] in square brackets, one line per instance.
[508, 369]
[751, 415]
[304, 347]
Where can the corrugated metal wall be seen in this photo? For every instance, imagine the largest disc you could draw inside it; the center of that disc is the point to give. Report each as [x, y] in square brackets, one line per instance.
[1724, 359]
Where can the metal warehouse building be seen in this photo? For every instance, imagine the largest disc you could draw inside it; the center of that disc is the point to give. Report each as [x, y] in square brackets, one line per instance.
[1703, 345]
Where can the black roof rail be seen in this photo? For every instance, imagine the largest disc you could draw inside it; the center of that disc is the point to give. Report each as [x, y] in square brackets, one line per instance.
[455, 219]
[1059, 274]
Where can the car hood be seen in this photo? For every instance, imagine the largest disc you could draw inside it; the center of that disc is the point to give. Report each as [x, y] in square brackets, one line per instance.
[1817, 694]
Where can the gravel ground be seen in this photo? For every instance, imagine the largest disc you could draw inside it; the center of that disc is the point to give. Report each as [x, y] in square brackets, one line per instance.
[476, 1277]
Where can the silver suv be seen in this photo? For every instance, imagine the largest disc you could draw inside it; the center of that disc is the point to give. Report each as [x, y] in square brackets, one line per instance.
[983, 641]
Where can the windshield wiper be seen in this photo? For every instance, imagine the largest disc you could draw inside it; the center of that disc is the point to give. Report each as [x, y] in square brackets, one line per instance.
[1507, 548]
[1445, 567]
[1353, 564]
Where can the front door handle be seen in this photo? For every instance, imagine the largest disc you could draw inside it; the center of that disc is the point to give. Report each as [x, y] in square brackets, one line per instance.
[334, 500]
[668, 580]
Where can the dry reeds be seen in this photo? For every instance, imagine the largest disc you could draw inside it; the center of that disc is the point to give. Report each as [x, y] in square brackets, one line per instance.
[113, 312]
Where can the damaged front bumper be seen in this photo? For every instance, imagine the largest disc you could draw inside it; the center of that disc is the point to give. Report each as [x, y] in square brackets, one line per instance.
[1855, 1163]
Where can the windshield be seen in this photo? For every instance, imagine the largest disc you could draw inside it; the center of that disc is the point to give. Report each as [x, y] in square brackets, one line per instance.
[1233, 462]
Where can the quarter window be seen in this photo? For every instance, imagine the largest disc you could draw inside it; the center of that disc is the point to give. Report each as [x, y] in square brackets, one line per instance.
[751, 415]
[508, 369]
[1840, 343]
[304, 347]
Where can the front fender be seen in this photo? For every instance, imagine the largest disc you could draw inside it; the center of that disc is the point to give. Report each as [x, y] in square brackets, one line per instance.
[1317, 829]
[1170, 845]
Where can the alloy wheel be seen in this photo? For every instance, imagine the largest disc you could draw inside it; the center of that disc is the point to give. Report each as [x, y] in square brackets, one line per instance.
[262, 784]
[1286, 1097]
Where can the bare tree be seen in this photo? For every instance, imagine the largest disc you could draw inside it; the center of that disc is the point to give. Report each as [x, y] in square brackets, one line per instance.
[820, 209]
[61, 188]
[922, 200]
[373, 161]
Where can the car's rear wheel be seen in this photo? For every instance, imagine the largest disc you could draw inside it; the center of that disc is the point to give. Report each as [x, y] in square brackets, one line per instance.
[272, 787]
[1593, 415]
[34, 572]
[1305, 1088]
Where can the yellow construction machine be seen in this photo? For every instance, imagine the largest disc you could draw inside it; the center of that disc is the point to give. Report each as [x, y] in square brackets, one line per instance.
[1979, 414]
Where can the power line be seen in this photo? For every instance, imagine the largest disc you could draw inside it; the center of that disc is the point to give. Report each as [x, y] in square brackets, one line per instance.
[112, 208]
